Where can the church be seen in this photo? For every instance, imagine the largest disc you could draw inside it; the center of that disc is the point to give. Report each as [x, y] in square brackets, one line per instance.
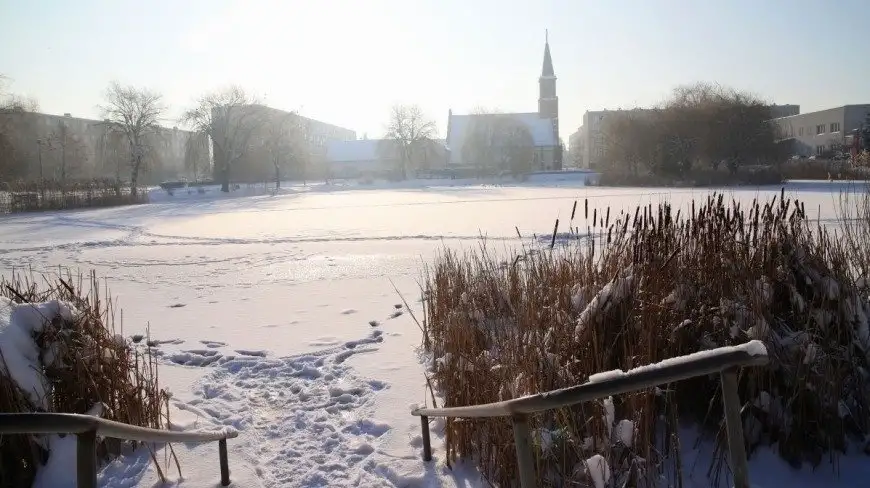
[543, 125]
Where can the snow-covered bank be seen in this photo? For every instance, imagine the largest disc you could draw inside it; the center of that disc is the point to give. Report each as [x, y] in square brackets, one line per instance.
[211, 192]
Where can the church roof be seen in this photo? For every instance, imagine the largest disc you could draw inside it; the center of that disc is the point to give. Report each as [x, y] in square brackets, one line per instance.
[541, 130]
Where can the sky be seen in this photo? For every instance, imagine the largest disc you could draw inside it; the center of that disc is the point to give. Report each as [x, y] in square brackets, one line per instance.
[346, 62]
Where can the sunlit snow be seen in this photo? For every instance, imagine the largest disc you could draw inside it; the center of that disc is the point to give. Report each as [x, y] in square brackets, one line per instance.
[276, 316]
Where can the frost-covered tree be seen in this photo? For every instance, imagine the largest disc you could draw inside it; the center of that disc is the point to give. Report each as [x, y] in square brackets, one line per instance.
[134, 113]
[229, 118]
[410, 132]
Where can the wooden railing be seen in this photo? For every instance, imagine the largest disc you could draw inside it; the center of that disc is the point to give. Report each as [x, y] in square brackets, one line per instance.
[725, 361]
[87, 428]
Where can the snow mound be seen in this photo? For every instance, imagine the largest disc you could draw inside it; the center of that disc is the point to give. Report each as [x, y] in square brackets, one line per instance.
[22, 358]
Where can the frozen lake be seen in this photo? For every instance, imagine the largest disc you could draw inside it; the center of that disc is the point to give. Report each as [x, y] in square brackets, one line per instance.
[286, 277]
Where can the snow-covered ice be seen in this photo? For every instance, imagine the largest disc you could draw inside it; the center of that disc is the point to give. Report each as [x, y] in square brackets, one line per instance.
[274, 315]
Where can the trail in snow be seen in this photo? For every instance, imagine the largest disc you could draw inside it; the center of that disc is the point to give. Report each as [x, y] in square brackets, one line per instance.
[306, 420]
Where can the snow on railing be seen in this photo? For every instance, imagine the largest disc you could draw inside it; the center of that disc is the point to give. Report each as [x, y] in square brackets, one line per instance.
[723, 360]
[88, 427]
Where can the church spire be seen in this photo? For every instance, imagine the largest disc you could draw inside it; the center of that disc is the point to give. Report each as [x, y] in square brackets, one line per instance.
[547, 69]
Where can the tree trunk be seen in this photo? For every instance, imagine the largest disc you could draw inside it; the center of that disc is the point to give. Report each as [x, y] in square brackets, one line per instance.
[225, 178]
[277, 176]
[134, 177]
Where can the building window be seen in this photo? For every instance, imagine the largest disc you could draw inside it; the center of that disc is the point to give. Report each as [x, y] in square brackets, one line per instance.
[820, 129]
[835, 127]
[820, 150]
[800, 131]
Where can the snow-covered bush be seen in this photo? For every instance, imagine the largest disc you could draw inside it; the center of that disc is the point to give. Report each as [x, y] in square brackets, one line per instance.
[654, 285]
[59, 353]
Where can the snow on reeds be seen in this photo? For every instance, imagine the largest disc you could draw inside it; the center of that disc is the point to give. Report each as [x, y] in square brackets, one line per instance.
[650, 286]
[59, 352]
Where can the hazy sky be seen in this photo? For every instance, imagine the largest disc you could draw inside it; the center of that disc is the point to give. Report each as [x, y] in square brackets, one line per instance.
[345, 62]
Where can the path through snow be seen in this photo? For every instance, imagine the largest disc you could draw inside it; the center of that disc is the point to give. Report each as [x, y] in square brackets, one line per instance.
[307, 420]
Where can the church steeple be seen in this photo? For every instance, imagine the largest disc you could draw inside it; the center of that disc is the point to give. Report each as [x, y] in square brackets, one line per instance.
[547, 69]
[548, 102]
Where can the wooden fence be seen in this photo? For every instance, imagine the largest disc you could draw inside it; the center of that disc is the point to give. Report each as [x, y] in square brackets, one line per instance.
[87, 428]
[49, 195]
[725, 361]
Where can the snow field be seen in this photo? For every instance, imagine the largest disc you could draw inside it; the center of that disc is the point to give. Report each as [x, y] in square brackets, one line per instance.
[275, 315]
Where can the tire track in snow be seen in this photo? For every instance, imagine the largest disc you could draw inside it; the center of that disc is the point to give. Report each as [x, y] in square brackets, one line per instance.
[303, 420]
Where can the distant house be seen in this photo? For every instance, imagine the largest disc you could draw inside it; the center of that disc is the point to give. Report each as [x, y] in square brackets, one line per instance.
[358, 159]
[379, 158]
[542, 126]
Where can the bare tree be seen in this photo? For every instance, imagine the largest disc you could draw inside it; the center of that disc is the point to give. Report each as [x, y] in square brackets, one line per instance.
[14, 129]
[70, 153]
[286, 143]
[409, 130]
[133, 112]
[498, 143]
[196, 155]
[627, 141]
[230, 118]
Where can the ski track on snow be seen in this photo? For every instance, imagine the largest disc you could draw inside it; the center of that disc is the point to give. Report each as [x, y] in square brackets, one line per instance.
[304, 420]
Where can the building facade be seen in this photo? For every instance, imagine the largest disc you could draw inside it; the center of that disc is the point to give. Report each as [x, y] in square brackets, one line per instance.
[542, 126]
[69, 148]
[823, 132]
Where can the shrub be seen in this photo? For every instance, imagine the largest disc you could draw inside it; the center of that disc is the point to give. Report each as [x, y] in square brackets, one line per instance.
[82, 366]
[637, 289]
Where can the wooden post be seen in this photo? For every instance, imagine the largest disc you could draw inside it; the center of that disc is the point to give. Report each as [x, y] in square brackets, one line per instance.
[524, 451]
[86, 459]
[225, 463]
[734, 427]
[427, 442]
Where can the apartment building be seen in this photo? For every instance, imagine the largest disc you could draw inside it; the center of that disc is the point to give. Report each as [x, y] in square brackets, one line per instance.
[823, 132]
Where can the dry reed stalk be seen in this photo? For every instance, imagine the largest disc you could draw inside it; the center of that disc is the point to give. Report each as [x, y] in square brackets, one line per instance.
[719, 275]
[92, 365]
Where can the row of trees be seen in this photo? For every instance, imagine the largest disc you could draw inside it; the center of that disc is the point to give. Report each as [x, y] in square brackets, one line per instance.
[243, 140]
[119, 146]
[701, 125]
[232, 121]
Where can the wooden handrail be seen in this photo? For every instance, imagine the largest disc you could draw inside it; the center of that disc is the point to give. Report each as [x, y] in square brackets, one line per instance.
[88, 427]
[723, 361]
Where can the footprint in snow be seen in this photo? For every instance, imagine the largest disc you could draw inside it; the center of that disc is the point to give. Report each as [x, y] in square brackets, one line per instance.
[374, 323]
[397, 313]
[178, 305]
[348, 311]
[250, 352]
